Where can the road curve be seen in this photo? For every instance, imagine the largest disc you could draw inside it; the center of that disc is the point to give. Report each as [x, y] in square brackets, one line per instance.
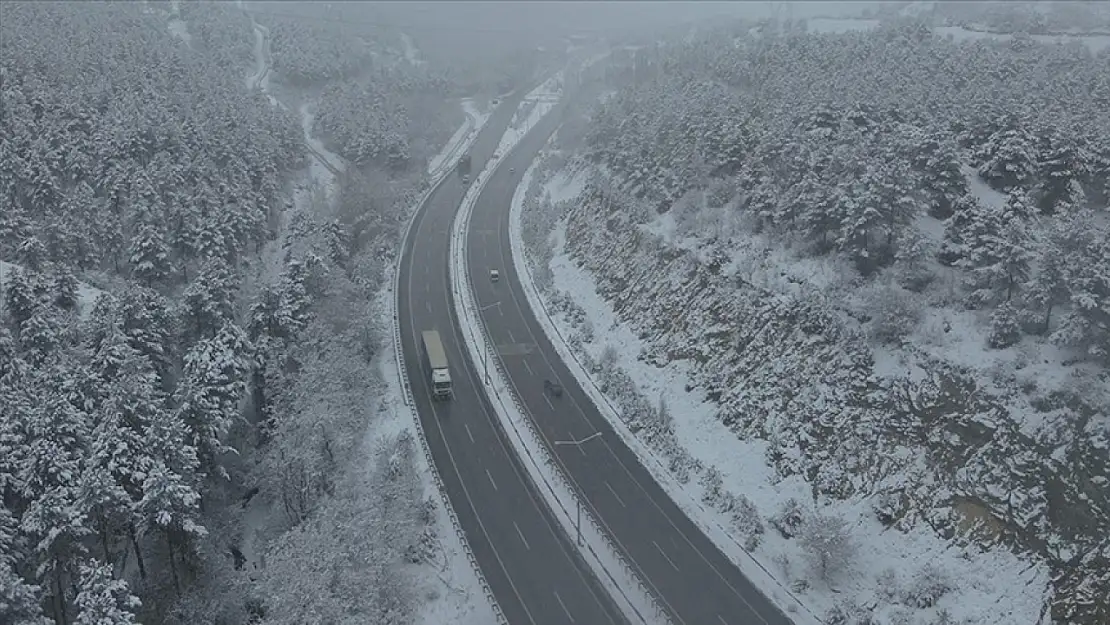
[695, 582]
[533, 569]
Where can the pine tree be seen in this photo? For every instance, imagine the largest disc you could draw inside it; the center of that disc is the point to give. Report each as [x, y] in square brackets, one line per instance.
[1048, 287]
[1005, 329]
[999, 257]
[56, 438]
[149, 256]
[1087, 322]
[1060, 169]
[101, 599]
[1011, 160]
[943, 181]
[19, 601]
[213, 384]
[209, 300]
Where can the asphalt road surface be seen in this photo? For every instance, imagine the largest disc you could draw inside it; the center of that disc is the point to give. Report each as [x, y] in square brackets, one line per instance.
[697, 583]
[533, 568]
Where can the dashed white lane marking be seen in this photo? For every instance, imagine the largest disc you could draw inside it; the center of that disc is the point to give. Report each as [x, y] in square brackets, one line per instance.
[722, 619]
[528, 367]
[428, 305]
[548, 400]
[468, 432]
[495, 483]
[615, 495]
[563, 605]
[664, 554]
[521, 534]
[512, 339]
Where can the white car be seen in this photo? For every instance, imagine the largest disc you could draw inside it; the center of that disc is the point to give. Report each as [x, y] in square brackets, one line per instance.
[494, 275]
[512, 170]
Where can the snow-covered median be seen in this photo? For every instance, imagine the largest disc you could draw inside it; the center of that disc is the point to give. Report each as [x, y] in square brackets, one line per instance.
[622, 584]
[531, 110]
[904, 574]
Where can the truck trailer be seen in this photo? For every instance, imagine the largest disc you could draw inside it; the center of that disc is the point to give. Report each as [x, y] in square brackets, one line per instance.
[437, 362]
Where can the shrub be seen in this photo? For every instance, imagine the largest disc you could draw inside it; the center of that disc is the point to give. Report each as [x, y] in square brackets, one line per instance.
[928, 586]
[1005, 329]
[896, 313]
[828, 542]
[746, 520]
[789, 518]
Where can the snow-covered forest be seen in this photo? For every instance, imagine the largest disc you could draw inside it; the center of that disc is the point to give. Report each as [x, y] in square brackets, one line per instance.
[886, 255]
[201, 444]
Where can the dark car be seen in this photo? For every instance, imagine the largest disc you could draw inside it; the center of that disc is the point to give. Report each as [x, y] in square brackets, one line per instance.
[553, 387]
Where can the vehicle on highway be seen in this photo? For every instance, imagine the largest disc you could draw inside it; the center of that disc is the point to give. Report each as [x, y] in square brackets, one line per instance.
[494, 275]
[512, 170]
[553, 387]
[466, 179]
[463, 166]
[437, 362]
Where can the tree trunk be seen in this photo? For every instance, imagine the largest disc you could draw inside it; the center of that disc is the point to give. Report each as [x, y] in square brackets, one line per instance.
[173, 567]
[60, 616]
[138, 552]
[103, 523]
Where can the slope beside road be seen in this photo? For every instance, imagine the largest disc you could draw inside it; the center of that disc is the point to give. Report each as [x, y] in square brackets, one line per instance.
[533, 569]
[696, 583]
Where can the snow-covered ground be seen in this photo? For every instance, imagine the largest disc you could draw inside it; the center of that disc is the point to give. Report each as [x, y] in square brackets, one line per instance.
[622, 584]
[450, 589]
[987, 587]
[86, 295]
[412, 53]
[1096, 43]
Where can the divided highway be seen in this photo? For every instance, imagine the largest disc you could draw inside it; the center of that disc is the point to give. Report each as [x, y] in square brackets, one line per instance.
[697, 584]
[532, 567]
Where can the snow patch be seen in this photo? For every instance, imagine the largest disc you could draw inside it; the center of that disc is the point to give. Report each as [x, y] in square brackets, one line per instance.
[86, 295]
[992, 586]
[449, 588]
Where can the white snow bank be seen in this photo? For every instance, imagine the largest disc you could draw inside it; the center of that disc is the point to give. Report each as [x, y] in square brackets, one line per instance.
[621, 583]
[86, 295]
[450, 589]
[991, 587]
[530, 111]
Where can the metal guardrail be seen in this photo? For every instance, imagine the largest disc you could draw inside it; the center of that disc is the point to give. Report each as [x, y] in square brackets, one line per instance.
[406, 389]
[465, 304]
[601, 400]
[438, 176]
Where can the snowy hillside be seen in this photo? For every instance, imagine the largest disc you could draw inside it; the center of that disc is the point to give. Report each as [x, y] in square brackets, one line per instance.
[212, 440]
[879, 263]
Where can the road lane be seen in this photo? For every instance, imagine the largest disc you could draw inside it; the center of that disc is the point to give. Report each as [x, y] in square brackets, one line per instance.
[489, 490]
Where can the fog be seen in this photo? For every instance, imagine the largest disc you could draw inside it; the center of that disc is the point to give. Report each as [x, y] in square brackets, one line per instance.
[476, 35]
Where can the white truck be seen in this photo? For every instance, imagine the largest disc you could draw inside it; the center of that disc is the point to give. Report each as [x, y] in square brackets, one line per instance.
[437, 361]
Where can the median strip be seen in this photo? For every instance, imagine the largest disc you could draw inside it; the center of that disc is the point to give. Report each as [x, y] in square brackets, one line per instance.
[612, 570]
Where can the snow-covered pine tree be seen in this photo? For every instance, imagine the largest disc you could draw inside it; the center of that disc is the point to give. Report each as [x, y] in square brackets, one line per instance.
[208, 303]
[943, 181]
[20, 603]
[149, 256]
[1060, 169]
[102, 599]
[55, 437]
[1087, 321]
[999, 256]
[211, 389]
[1048, 286]
[1011, 159]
